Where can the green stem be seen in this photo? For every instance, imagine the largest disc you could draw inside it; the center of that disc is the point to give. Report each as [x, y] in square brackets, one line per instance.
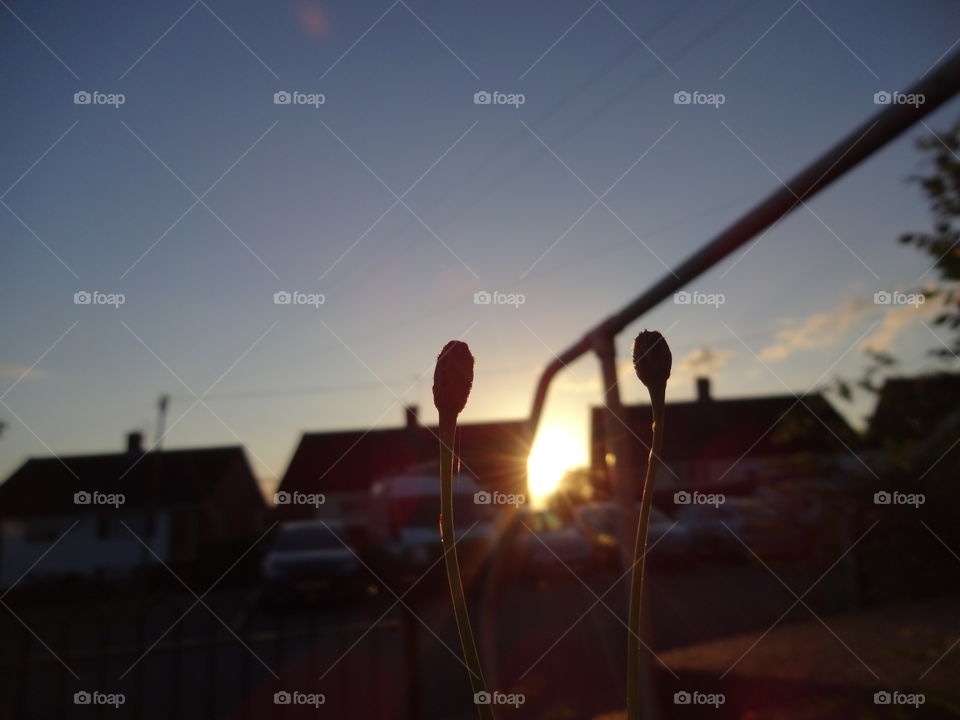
[657, 396]
[448, 539]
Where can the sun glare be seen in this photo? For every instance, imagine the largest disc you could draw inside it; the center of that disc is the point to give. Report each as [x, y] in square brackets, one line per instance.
[555, 450]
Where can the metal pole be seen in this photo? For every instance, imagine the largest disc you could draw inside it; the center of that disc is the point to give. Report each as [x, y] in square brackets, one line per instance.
[614, 430]
[937, 86]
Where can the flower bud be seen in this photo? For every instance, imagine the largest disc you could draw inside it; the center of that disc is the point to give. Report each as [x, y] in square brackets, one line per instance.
[452, 379]
[652, 358]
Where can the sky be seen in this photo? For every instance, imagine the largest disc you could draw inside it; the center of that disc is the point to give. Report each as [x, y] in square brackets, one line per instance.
[187, 189]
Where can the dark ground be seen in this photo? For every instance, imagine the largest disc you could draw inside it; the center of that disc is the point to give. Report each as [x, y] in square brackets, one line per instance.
[566, 658]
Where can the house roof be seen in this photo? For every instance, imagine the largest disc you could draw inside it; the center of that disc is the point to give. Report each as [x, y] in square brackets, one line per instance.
[711, 429]
[494, 453]
[910, 408]
[46, 486]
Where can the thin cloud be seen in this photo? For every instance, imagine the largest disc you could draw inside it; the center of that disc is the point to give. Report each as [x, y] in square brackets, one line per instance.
[16, 371]
[895, 320]
[703, 361]
[818, 330]
[825, 328]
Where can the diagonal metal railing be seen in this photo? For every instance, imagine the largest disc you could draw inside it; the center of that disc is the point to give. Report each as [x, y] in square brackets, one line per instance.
[937, 86]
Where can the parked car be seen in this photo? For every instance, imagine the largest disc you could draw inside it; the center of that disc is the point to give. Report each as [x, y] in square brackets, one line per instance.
[669, 541]
[405, 526]
[715, 529]
[541, 543]
[742, 527]
[307, 559]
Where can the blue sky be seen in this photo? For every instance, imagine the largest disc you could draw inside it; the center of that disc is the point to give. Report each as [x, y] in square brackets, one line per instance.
[303, 198]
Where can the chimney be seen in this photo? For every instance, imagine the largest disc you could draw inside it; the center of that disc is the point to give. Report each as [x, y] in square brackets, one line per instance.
[413, 416]
[135, 443]
[703, 389]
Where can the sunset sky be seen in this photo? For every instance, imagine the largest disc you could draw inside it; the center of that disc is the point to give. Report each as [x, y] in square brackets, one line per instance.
[198, 198]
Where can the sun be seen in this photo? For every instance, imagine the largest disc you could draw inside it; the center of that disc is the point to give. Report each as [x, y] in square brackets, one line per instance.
[556, 449]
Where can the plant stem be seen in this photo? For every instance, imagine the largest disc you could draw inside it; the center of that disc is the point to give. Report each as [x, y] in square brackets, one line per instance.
[657, 401]
[448, 539]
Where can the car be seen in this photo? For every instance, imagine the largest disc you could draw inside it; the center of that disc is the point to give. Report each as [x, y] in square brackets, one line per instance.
[540, 543]
[715, 529]
[669, 541]
[741, 527]
[405, 528]
[308, 559]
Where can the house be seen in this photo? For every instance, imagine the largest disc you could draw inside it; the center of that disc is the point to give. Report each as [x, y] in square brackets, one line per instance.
[913, 409]
[912, 434]
[188, 505]
[331, 473]
[728, 445]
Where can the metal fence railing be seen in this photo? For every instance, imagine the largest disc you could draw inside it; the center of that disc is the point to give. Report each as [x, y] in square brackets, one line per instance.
[198, 668]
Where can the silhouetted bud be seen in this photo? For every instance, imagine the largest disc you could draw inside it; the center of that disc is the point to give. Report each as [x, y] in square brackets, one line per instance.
[652, 358]
[452, 378]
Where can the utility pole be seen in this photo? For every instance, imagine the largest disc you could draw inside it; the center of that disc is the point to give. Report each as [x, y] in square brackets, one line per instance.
[162, 404]
[151, 526]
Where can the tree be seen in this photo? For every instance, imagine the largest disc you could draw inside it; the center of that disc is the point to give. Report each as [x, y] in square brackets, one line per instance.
[942, 189]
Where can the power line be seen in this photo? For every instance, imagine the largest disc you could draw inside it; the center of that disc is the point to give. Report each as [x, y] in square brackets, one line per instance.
[532, 157]
[521, 135]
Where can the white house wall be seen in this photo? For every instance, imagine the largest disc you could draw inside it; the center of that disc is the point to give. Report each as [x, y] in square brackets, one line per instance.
[81, 552]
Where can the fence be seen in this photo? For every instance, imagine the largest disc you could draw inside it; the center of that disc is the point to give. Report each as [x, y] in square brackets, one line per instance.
[81, 666]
